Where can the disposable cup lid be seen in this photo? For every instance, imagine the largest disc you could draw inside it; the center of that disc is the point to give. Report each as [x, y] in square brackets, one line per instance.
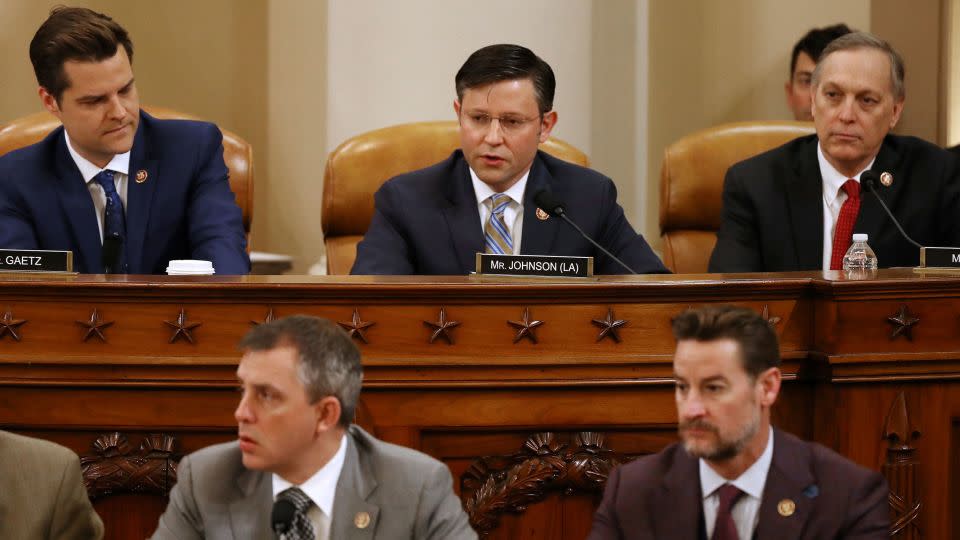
[190, 266]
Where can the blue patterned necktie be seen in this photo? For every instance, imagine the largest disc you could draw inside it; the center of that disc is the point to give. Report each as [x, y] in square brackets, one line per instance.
[114, 222]
[496, 234]
[301, 528]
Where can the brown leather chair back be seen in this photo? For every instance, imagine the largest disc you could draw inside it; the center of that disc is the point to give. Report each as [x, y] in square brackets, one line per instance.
[357, 168]
[237, 153]
[691, 185]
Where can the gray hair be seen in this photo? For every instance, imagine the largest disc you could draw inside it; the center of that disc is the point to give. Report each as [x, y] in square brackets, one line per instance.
[864, 40]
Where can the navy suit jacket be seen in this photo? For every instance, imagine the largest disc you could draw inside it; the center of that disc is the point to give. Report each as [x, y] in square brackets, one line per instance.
[659, 496]
[772, 218]
[427, 222]
[183, 210]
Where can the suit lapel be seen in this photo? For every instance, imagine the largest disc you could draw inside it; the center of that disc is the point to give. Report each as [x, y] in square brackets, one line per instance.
[679, 497]
[350, 501]
[462, 215]
[538, 235]
[250, 510]
[77, 206]
[789, 480]
[139, 198]
[805, 202]
[872, 218]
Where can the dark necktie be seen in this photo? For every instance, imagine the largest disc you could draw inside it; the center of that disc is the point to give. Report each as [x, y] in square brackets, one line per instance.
[114, 222]
[843, 231]
[725, 528]
[496, 234]
[301, 528]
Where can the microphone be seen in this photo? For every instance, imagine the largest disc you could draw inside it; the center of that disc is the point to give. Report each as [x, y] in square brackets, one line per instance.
[111, 252]
[282, 516]
[868, 181]
[547, 201]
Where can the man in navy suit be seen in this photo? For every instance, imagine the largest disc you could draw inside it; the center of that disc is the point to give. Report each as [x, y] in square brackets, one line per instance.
[156, 189]
[733, 476]
[481, 198]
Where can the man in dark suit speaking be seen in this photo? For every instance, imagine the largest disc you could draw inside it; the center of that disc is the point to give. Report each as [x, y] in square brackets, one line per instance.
[112, 175]
[797, 206]
[481, 198]
[733, 476]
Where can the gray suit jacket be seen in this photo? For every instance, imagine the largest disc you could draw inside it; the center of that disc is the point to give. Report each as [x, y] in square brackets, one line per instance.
[41, 492]
[407, 494]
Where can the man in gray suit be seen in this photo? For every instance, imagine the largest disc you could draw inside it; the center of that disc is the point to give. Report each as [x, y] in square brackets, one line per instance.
[298, 455]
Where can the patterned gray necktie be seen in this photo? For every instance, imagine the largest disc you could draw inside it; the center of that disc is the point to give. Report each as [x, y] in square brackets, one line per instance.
[496, 234]
[301, 528]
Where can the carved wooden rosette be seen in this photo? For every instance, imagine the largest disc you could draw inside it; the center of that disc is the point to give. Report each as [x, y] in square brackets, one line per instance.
[900, 470]
[497, 484]
[116, 467]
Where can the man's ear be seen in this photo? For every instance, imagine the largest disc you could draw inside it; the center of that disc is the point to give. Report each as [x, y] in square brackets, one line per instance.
[768, 384]
[328, 412]
[546, 125]
[456, 107]
[49, 102]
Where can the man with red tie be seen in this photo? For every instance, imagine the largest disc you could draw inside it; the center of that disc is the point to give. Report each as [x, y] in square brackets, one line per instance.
[797, 206]
[733, 476]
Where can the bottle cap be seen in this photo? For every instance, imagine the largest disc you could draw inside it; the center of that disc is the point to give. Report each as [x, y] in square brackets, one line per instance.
[860, 237]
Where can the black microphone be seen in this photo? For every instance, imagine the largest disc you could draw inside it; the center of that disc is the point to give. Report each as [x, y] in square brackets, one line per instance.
[868, 181]
[111, 252]
[546, 200]
[282, 516]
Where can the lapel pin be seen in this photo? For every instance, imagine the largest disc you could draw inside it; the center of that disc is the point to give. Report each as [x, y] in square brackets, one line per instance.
[886, 179]
[361, 520]
[141, 176]
[786, 507]
[542, 215]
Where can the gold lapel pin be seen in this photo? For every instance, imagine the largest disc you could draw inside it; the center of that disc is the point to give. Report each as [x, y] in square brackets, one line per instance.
[141, 176]
[542, 215]
[786, 507]
[361, 520]
[886, 179]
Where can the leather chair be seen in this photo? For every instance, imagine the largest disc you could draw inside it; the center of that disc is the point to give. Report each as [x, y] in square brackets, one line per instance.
[357, 168]
[237, 153]
[691, 185]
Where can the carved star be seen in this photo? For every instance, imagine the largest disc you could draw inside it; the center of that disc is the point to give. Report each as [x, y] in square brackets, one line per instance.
[9, 325]
[442, 328]
[357, 327]
[903, 323]
[610, 326]
[772, 321]
[525, 328]
[95, 326]
[266, 320]
[182, 327]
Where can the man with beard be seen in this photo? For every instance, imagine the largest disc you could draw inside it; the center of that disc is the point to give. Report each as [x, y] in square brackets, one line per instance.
[733, 476]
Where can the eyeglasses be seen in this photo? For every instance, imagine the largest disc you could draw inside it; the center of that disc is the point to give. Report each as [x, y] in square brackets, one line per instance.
[509, 123]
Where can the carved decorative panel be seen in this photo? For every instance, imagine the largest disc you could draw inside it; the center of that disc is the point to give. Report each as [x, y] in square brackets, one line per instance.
[116, 467]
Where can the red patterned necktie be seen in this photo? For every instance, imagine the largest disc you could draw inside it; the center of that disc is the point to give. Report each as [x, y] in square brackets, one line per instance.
[844, 228]
[724, 528]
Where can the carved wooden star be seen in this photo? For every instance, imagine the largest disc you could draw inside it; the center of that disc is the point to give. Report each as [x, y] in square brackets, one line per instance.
[610, 326]
[525, 328]
[9, 325]
[903, 323]
[442, 328]
[772, 321]
[183, 328]
[95, 326]
[357, 327]
[266, 320]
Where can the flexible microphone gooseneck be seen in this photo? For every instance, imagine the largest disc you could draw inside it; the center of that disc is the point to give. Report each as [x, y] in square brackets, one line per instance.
[868, 181]
[282, 516]
[111, 253]
[546, 200]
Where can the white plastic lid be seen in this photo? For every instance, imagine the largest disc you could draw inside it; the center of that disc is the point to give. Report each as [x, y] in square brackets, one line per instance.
[189, 266]
[859, 237]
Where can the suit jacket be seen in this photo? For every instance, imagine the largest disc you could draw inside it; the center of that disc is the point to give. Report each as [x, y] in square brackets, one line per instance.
[184, 209]
[427, 221]
[41, 492]
[407, 494]
[772, 218]
[659, 496]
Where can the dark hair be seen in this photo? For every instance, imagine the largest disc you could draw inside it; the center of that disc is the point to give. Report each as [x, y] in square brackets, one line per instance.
[814, 41]
[759, 349]
[495, 63]
[864, 40]
[329, 361]
[72, 33]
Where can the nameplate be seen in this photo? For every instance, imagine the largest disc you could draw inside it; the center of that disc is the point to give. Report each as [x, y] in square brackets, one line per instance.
[34, 260]
[534, 265]
[939, 257]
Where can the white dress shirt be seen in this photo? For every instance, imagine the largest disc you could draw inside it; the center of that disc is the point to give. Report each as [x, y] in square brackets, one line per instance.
[512, 214]
[120, 165]
[746, 512]
[833, 199]
[321, 488]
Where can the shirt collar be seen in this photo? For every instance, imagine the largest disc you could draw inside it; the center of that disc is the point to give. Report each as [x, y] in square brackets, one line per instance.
[832, 179]
[120, 162]
[750, 482]
[483, 191]
[322, 486]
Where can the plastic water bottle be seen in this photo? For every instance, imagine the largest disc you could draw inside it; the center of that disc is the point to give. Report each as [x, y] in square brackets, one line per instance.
[860, 256]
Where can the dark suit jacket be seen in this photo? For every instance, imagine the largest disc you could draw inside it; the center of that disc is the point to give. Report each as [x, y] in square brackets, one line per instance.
[659, 496]
[772, 217]
[427, 221]
[184, 209]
